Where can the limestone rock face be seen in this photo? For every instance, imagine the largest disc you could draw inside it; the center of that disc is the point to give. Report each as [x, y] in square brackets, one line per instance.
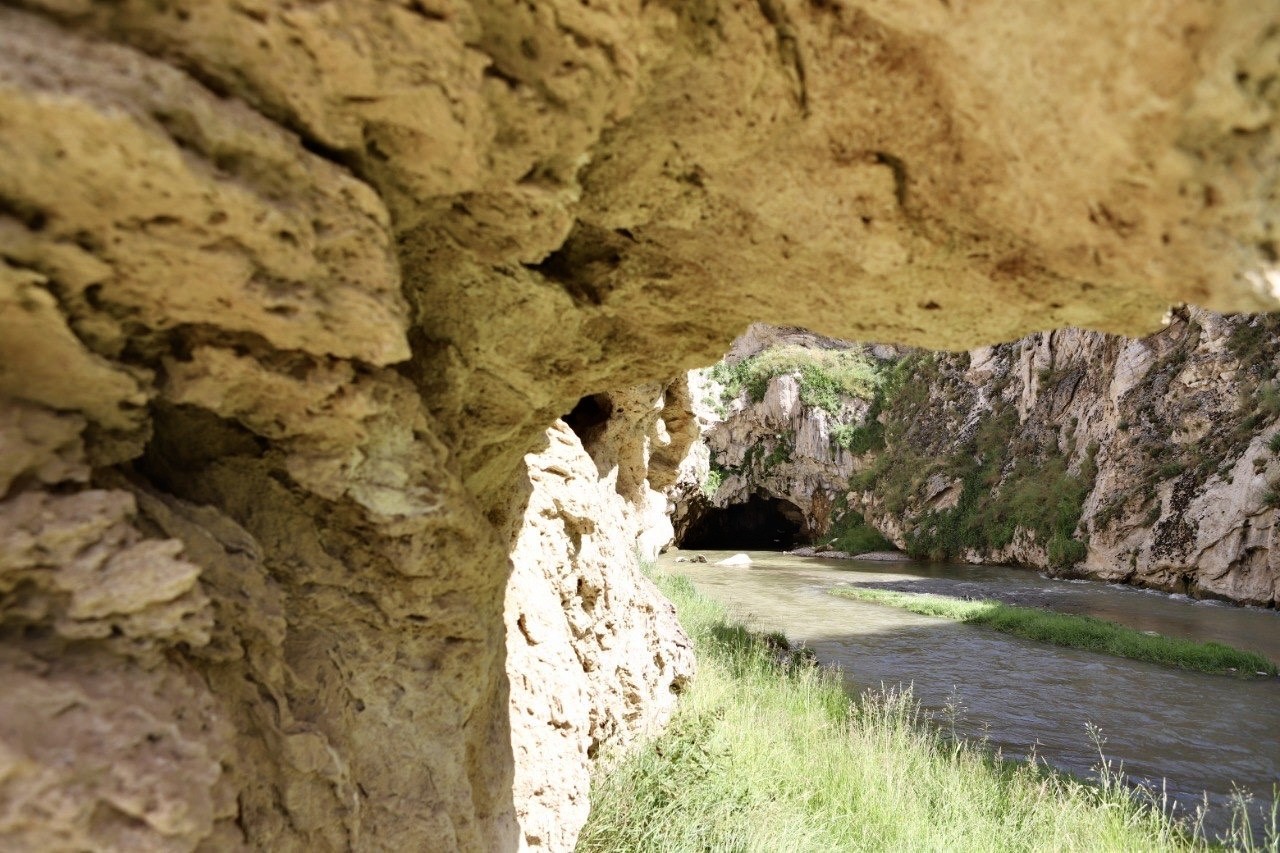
[595, 656]
[781, 448]
[1166, 441]
[306, 282]
[1178, 428]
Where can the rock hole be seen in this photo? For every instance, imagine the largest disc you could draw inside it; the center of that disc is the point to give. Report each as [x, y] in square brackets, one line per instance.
[586, 264]
[589, 593]
[761, 523]
[589, 418]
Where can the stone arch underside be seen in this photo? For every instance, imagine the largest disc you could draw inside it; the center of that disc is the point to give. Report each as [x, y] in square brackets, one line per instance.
[287, 294]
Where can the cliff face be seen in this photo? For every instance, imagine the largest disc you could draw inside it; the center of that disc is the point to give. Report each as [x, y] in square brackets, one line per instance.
[1161, 447]
[288, 292]
[1147, 461]
[774, 440]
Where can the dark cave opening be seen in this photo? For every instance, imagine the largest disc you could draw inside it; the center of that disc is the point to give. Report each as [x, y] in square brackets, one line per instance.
[760, 524]
[589, 418]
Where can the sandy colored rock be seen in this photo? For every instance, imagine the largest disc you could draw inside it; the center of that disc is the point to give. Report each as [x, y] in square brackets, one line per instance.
[63, 374]
[104, 742]
[595, 656]
[309, 281]
[265, 237]
[37, 442]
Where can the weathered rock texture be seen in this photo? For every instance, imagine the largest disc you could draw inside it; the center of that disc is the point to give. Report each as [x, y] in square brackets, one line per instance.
[1166, 440]
[1148, 461]
[595, 655]
[287, 291]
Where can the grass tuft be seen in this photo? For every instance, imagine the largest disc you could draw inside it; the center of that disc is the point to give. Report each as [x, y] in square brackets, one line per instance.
[766, 753]
[1073, 631]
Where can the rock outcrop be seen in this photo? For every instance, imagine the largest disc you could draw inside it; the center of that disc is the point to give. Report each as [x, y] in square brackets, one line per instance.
[595, 656]
[778, 446]
[288, 291]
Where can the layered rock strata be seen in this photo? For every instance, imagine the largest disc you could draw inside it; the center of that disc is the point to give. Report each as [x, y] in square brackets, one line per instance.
[288, 292]
[779, 445]
[1166, 441]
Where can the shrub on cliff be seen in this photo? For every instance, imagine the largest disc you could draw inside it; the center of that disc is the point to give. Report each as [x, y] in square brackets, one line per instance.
[827, 377]
[850, 533]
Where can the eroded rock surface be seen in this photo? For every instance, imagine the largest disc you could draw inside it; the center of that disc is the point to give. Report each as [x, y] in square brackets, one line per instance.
[288, 291]
[772, 444]
[595, 655]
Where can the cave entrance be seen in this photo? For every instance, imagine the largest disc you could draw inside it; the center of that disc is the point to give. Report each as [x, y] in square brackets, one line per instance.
[760, 524]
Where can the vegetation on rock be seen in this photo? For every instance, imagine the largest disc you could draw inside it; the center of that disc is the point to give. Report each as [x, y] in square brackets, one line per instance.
[826, 376]
[1072, 630]
[850, 533]
[714, 479]
[996, 460]
[1006, 482]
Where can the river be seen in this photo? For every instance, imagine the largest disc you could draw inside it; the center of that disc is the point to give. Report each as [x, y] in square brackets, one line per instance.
[1203, 735]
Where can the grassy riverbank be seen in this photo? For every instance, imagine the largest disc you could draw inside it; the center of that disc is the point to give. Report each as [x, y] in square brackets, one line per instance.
[1073, 631]
[771, 756]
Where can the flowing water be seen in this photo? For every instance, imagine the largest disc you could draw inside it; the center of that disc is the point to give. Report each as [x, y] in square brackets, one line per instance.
[1197, 734]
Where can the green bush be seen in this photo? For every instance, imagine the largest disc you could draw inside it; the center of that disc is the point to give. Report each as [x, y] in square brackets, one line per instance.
[1268, 401]
[1247, 341]
[859, 439]
[850, 533]
[1065, 551]
[827, 377]
[1039, 494]
[713, 481]
[780, 453]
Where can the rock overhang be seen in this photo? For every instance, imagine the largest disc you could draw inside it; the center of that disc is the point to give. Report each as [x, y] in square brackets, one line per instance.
[388, 243]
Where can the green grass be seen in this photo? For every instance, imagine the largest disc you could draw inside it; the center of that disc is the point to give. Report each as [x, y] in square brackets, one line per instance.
[1073, 631]
[767, 753]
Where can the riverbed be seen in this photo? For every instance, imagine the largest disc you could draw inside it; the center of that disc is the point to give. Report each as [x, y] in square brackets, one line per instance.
[1191, 734]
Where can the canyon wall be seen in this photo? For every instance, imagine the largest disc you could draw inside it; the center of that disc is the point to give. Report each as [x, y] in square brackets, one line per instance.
[289, 291]
[1148, 461]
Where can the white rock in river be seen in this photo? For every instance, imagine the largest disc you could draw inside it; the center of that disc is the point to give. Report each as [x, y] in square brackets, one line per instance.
[735, 560]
